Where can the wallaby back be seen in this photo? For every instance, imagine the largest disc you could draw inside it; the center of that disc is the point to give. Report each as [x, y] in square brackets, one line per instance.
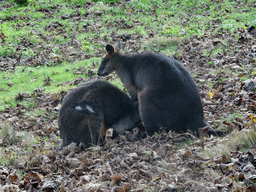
[166, 92]
[90, 109]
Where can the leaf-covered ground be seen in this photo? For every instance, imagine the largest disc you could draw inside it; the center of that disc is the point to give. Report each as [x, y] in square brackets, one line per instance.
[64, 39]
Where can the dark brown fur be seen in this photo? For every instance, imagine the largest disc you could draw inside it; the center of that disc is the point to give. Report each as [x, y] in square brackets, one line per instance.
[90, 109]
[167, 94]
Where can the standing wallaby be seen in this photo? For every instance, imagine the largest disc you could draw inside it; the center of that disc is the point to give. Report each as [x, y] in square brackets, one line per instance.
[90, 109]
[167, 94]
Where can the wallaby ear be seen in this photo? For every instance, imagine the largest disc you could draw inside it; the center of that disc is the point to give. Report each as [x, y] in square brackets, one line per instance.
[117, 46]
[110, 49]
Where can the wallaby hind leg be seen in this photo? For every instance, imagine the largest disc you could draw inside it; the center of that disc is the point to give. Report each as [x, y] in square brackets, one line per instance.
[149, 123]
[127, 122]
[149, 114]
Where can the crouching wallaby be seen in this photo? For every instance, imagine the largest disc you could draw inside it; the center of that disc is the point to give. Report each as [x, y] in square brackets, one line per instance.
[167, 94]
[90, 109]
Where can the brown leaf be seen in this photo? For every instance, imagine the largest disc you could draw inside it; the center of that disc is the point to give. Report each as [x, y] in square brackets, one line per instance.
[13, 178]
[116, 179]
[186, 154]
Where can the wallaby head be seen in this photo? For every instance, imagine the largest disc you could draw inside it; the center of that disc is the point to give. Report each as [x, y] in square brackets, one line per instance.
[109, 62]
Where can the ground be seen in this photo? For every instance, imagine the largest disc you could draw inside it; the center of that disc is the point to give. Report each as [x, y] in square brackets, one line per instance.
[220, 60]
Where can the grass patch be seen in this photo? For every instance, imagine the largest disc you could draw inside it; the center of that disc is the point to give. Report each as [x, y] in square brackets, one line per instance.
[162, 44]
[8, 160]
[12, 140]
[235, 141]
[36, 112]
[35, 78]
[8, 134]
[233, 116]
[170, 21]
[182, 144]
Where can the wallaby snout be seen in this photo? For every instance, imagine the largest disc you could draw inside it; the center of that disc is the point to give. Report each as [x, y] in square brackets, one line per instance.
[101, 72]
[105, 69]
[107, 66]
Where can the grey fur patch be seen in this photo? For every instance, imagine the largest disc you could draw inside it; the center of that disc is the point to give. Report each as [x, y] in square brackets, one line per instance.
[78, 108]
[90, 109]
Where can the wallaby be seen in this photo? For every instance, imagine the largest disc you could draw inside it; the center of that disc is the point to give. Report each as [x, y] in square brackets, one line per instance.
[90, 109]
[166, 93]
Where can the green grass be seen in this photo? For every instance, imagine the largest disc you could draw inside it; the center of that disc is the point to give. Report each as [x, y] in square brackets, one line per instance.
[162, 44]
[154, 25]
[36, 112]
[171, 22]
[232, 116]
[172, 26]
[182, 144]
[33, 78]
[12, 139]
[8, 160]
[166, 18]
[8, 133]
[237, 140]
